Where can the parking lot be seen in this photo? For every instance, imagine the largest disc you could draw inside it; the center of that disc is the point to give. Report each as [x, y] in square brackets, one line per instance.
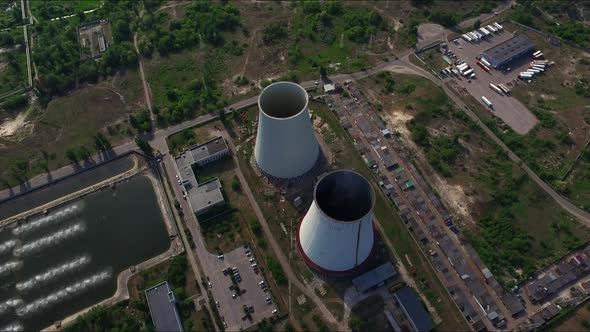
[231, 306]
[507, 108]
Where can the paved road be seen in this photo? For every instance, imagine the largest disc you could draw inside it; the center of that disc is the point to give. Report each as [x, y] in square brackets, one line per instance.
[191, 223]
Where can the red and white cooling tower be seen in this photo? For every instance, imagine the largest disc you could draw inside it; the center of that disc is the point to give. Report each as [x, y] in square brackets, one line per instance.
[336, 235]
[286, 146]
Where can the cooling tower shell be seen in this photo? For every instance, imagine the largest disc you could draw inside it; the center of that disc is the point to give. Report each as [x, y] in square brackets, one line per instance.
[286, 146]
[336, 236]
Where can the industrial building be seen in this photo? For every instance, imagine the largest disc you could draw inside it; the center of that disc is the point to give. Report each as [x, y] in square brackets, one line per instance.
[207, 195]
[508, 51]
[414, 310]
[163, 308]
[286, 146]
[202, 154]
[374, 278]
[336, 235]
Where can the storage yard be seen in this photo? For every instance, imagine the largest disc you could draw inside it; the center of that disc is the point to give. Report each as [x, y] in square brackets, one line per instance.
[485, 85]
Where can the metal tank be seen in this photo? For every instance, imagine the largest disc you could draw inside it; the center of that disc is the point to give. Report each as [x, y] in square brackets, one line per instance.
[336, 235]
[286, 146]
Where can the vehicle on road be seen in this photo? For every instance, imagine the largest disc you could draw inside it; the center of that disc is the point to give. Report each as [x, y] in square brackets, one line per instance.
[274, 311]
[220, 256]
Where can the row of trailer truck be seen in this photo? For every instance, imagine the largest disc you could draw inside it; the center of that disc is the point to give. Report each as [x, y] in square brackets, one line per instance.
[536, 67]
[476, 35]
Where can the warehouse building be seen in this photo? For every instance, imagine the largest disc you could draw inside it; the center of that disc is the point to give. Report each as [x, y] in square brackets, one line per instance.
[508, 51]
[163, 308]
[414, 310]
[374, 278]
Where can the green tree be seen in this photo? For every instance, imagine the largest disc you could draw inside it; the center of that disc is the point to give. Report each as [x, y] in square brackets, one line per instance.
[356, 322]
[72, 155]
[144, 146]
[235, 184]
[476, 24]
[274, 32]
[323, 72]
[255, 226]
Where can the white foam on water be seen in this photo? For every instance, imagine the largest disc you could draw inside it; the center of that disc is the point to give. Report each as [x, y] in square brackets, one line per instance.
[10, 266]
[53, 217]
[53, 273]
[6, 246]
[10, 303]
[46, 241]
[63, 294]
[14, 327]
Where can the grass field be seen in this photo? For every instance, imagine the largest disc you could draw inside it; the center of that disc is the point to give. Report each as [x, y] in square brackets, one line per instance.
[70, 122]
[513, 224]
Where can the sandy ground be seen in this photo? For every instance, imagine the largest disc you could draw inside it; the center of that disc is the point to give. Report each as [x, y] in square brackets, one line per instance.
[428, 31]
[11, 127]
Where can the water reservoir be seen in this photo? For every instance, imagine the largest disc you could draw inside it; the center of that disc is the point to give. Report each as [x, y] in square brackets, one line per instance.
[53, 266]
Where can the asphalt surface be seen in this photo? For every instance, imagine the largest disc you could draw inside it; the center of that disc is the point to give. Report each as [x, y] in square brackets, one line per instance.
[507, 108]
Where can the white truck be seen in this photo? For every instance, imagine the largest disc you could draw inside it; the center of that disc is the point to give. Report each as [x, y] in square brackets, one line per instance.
[485, 62]
[495, 88]
[497, 25]
[487, 102]
[504, 88]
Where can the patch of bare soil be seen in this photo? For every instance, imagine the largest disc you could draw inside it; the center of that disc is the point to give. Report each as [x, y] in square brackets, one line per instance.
[428, 31]
[17, 128]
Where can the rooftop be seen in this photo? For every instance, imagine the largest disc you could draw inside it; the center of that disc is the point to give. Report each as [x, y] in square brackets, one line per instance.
[509, 48]
[414, 309]
[162, 305]
[374, 277]
[206, 194]
[202, 151]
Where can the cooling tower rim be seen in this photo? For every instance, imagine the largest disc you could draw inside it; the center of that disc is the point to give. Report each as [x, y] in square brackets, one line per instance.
[372, 192]
[328, 272]
[305, 107]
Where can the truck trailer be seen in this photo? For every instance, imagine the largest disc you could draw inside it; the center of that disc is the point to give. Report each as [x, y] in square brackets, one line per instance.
[485, 62]
[497, 25]
[504, 88]
[487, 102]
[484, 67]
[495, 88]
[468, 72]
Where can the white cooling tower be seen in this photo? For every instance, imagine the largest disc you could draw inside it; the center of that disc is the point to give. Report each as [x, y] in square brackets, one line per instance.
[336, 234]
[286, 146]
